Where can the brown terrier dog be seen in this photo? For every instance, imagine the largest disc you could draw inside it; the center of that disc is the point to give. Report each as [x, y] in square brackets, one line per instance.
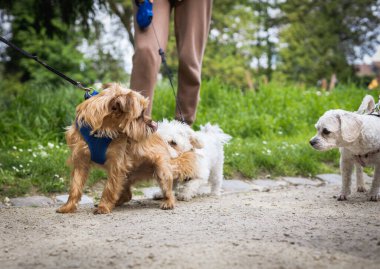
[118, 113]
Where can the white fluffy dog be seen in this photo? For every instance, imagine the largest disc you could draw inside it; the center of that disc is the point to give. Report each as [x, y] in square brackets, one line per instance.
[358, 137]
[208, 144]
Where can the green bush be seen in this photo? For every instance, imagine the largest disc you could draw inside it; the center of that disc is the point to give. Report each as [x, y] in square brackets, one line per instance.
[270, 129]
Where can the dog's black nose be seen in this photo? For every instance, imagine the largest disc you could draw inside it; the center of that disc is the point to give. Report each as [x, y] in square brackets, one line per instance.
[313, 142]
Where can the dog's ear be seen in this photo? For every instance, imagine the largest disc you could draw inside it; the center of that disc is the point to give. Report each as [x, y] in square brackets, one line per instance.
[350, 127]
[119, 104]
[196, 142]
[367, 105]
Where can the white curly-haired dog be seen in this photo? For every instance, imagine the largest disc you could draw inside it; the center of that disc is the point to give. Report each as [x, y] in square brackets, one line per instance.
[358, 137]
[208, 145]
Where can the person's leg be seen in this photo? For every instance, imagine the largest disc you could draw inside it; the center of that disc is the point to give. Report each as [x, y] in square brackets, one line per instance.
[192, 25]
[146, 60]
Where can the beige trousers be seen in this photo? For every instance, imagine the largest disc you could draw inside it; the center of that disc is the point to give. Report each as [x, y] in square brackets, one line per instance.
[192, 24]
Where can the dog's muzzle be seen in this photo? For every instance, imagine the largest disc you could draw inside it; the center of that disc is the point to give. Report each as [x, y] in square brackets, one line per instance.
[314, 142]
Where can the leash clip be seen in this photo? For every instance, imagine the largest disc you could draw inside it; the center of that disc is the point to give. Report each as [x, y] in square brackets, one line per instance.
[88, 94]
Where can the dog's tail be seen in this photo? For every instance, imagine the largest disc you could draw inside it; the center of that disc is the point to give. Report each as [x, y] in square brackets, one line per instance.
[367, 106]
[217, 131]
[185, 166]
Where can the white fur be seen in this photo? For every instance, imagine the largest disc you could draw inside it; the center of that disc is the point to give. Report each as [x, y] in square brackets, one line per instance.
[355, 134]
[208, 144]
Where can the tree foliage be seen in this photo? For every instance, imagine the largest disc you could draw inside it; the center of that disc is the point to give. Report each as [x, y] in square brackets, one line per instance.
[242, 44]
[321, 38]
[250, 40]
[53, 31]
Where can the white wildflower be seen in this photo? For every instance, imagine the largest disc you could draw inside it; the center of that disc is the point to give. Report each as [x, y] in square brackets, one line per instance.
[50, 145]
[14, 147]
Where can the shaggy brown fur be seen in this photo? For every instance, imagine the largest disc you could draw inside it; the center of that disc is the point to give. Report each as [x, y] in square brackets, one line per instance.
[183, 168]
[118, 113]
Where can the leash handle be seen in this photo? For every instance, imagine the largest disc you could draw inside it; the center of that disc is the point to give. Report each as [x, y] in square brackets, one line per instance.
[51, 69]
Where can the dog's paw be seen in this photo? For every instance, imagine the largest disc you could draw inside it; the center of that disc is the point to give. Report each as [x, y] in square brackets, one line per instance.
[342, 197]
[361, 189]
[374, 198]
[167, 205]
[158, 196]
[66, 209]
[184, 196]
[101, 210]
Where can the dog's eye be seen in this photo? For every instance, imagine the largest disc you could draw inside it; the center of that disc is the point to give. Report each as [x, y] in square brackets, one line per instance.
[325, 131]
[173, 143]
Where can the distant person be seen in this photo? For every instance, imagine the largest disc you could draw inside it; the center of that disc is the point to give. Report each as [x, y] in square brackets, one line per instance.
[192, 24]
[375, 83]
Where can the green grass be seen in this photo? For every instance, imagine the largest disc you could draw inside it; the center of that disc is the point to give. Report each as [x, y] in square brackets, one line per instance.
[270, 128]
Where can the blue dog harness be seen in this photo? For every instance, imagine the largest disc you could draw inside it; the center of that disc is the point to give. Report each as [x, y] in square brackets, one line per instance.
[97, 145]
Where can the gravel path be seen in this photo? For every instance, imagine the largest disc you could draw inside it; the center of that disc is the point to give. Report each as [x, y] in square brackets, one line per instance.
[295, 227]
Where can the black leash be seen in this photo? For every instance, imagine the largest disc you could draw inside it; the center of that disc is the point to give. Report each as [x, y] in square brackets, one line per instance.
[80, 86]
[51, 69]
[168, 73]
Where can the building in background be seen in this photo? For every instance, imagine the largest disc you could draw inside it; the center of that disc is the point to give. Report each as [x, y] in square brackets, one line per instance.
[370, 70]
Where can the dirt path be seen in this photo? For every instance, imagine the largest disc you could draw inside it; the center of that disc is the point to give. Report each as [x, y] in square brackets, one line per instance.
[291, 228]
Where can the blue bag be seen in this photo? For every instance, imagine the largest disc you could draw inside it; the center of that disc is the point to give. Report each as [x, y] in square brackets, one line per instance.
[144, 14]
